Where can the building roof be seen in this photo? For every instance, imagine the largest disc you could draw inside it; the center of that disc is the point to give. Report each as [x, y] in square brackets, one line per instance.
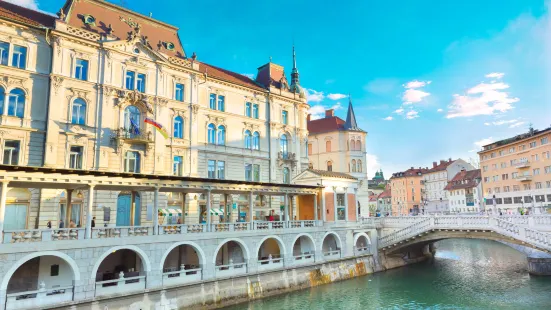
[332, 174]
[464, 179]
[25, 16]
[385, 194]
[443, 165]
[327, 124]
[228, 76]
[409, 173]
[524, 136]
[350, 123]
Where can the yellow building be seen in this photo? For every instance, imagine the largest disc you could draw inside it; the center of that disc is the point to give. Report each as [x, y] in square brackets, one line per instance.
[406, 188]
[516, 172]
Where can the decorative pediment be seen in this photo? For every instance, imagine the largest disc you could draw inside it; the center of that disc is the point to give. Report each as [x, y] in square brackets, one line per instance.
[12, 81]
[81, 54]
[250, 126]
[81, 93]
[134, 98]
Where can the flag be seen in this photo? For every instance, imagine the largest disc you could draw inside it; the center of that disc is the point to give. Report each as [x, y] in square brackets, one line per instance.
[134, 128]
[157, 126]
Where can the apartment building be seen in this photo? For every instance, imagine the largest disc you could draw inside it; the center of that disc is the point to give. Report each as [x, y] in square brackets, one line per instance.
[516, 172]
[406, 188]
[464, 192]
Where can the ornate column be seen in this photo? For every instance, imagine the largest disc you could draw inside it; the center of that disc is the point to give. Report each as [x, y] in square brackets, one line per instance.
[208, 210]
[156, 211]
[316, 207]
[323, 207]
[346, 204]
[251, 208]
[89, 212]
[286, 207]
[335, 203]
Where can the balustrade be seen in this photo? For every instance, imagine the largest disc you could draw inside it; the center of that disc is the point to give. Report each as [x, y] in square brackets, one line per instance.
[40, 235]
[40, 298]
[126, 283]
[121, 231]
[230, 269]
[172, 276]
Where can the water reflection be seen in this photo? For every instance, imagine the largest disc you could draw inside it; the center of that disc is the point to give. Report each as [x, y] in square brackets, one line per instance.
[465, 274]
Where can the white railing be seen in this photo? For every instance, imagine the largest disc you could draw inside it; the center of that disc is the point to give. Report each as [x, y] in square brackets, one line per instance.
[273, 261]
[516, 219]
[121, 231]
[542, 220]
[121, 285]
[301, 224]
[40, 235]
[219, 227]
[360, 250]
[332, 254]
[40, 298]
[230, 269]
[304, 258]
[404, 233]
[182, 276]
[265, 225]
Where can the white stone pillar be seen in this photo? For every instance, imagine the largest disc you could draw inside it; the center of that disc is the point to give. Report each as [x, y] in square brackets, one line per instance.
[346, 204]
[316, 208]
[335, 203]
[251, 208]
[323, 208]
[286, 207]
[208, 210]
[156, 211]
[89, 212]
[3, 196]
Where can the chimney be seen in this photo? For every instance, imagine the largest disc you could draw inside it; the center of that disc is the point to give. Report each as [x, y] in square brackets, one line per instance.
[329, 113]
[308, 118]
[434, 164]
[442, 161]
[411, 168]
[450, 160]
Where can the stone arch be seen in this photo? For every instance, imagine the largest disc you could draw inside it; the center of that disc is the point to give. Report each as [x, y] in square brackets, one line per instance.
[26, 258]
[280, 243]
[145, 259]
[195, 246]
[244, 248]
[337, 238]
[362, 234]
[305, 235]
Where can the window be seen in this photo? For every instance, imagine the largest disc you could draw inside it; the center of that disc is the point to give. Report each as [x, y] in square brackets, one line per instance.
[328, 146]
[309, 148]
[497, 190]
[352, 145]
[284, 145]
[221, 135]
[329, 166]
[212, 103]
[140, 83]
[503, 165]
[544, 141]
[4, 52]
[494, 166]
[501, 153]
[517, 199]
[493, 155]
[526, 187]
[132, 162]
[522, 147]
[496, 178]
[132, 121]
[248, 172]
[545, 155]
[78, 114]
[285, 117]
[514, 175]
[353, 165]
[212, 169]
[256, 173]
[533, 144]
[221, 103]
[19, 57]
[538, 185]
[177, 166]
[498, 201]
[528, 199]
[54, 270]
[248, 142]
[221, 170]
[484, 168]
[512, 150]
[540, 198]
[256, 141]
[16, 103]
[286, 176]
[359, 145]
[359, 163]
[11, 152]
[505, 176]
[506, 189]
[81, 69]
[516, 188]
[547, 169]
[248, 109]
[340, 200]
[507, 201]
[75, 157]
[535, 157]
[212, 134]
[548, 197]
[255, 111]
[178, 127]
[179, 92]
[536, 171]
[129, 80]
[548, 184]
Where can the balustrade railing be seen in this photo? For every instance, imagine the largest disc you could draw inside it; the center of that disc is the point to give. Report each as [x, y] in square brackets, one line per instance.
[40, 298]
[230, 227]
[121, 231]
[39, 235]
[124, 283]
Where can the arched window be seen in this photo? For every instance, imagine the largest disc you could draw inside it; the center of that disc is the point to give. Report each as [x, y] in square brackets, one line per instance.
[221, 135]
[353, 165]
[178, 127]
[286, 176]
[248, 144]
[16, 104]
[329, 166]
[212, 134]
[78, 114]
[359, 163]
[132, 120]
[256, 141]
[359, 145]
[132, 162]
[2, 91]
[353, 145]
[284, 145]
[328, 146]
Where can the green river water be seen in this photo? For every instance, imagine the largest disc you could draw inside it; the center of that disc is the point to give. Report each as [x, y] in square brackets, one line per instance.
[465, 274]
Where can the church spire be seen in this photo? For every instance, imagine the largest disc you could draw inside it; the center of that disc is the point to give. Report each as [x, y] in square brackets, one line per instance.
[294, 72]
[351, 117]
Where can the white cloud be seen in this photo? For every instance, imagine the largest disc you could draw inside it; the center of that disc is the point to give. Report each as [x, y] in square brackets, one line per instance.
[495, 75]
[413, 94]
[516, 124]
[487, 124]
[337, 106]
[412, 114]
[336, 96]
[502, 122]
[399, 111]
[314, 96]
[482, 99]
[388, 118]
[372, 163]
[416, 84]
[439, 110]
[31, 4]
[318, 111]
[481, 143]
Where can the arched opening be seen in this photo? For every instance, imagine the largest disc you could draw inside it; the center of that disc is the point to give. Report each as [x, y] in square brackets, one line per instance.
[178, 127]
[231, 259]
[362, 244]
[284, 146]
[16, 103]
[221, 135]
[270, 254]
[182, 265]
[211, 129]
[121, 271]
[327, 146]
[331, 247]
[40, 281]
[128, 209]
[247, 136]
[256, 141]
[353, 165]
[329, 166]
[304, 249]
[78, 112]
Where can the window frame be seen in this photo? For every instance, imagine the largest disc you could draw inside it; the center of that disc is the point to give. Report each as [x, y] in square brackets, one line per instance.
[79, 161]
[21, 59]
[11, 151]
[84, 70]
[179, 92]
[83, 105]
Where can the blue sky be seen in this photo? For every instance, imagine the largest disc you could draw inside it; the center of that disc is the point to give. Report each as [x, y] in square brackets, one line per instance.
[429, 79]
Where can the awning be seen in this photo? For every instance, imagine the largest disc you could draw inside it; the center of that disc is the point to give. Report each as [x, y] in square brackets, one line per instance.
[216, 212]
[170, 212]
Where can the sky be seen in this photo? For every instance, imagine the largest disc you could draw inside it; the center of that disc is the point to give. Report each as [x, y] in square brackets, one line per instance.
[429, 80]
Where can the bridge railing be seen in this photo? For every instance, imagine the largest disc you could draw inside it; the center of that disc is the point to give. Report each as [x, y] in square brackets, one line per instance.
[408, 232]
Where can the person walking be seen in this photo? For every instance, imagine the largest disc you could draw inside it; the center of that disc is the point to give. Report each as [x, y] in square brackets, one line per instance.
[93, 222]
[49, 224]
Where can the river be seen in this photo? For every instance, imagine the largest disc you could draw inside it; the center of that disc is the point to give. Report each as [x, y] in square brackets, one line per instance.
[465, 274]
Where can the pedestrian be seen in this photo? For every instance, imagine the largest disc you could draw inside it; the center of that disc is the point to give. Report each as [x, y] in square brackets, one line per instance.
[93, 222]
[72, 224]
[49, 224]
[271, 217]
[61, 224]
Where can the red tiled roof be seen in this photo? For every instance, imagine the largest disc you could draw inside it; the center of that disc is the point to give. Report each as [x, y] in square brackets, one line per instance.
[464, 179]
[386, 194]
[228, 76]
[332, 174]
[26, 16]
[408, 173]
[327, 124]
[443, 165]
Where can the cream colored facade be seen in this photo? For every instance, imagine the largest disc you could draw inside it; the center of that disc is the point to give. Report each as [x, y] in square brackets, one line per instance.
[406, 188]
[517, 173]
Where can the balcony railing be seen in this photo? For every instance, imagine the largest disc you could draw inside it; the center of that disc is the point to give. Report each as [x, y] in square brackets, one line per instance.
[121, 231]
[39, 235]
[522, 164]
[524, 177]
[126, 283]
